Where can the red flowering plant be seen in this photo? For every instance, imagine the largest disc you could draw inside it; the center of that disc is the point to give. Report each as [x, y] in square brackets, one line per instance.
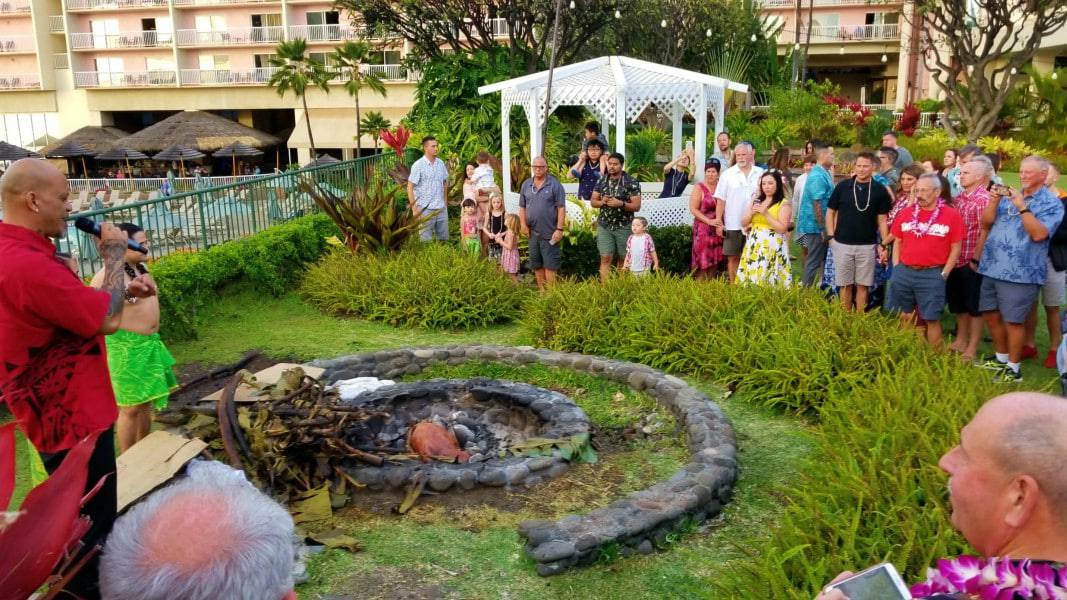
[909, 120]
[39, 542]
[859, 112]
[397, 139]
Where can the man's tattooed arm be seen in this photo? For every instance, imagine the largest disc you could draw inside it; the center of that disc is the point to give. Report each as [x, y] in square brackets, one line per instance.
[113, 253]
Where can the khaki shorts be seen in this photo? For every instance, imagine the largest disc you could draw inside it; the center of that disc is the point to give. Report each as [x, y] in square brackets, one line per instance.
[1054, 292]
[853, 265]
[733, 242]
[612, 242]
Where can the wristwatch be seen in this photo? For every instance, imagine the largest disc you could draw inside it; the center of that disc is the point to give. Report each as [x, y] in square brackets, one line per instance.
[1024, 211]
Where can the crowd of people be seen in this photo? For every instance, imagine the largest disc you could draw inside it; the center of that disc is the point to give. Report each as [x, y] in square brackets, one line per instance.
[912, 237]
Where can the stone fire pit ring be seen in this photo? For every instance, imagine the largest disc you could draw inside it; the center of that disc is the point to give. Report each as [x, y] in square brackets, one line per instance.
[551, 415]
[639, 522]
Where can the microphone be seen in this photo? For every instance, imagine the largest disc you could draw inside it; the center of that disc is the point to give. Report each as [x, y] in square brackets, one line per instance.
[93, 228]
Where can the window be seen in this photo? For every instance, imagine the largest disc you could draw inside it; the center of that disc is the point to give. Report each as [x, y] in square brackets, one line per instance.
[105, 32]
[325, 17]
[826, 20]
[384, 57]
[262, 61]
[214, 62]
[210, 23]
[882, 18]
[267, 20]
[324, 25]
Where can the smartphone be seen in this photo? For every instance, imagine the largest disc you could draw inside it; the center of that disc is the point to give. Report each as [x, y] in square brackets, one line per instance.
[999, 189]
[880, 582]
[689, 145]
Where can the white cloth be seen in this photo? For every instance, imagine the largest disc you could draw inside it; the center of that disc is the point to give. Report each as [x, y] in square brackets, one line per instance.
[798, 193]
[737, 191]
[348, 389]
[483, 177]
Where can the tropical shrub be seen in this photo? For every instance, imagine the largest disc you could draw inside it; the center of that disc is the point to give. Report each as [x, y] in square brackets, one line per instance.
[1011, 151]
[641, 158]
[887, 407]
[930, 143]
[372, 218]
[870, 134]
[270, 260]
[909, 120]
[434, 286]
[1044, 110]
[581, 259]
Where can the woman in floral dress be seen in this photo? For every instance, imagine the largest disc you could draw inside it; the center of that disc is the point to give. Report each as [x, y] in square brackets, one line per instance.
[765, 259]
[707, 229]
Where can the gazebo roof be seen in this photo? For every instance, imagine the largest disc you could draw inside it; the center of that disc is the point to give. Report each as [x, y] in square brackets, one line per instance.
[598, 84]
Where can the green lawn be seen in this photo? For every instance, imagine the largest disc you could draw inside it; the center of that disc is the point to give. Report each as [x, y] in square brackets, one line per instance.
[479, 554]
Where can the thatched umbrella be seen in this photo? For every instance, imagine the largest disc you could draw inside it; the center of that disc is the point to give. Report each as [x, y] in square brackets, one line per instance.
[202, 131]
[69, 150]
[121, 153]
[234, 150]
[323, 159]
[12, 152]
[179, 153]
[94, 139]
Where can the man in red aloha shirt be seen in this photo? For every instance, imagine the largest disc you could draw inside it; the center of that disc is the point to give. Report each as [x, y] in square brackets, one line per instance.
[53, 366]
[928, 237]
[964, 285]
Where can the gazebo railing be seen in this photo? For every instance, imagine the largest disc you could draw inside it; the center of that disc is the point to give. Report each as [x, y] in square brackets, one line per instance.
[200, 219]
[660, 212]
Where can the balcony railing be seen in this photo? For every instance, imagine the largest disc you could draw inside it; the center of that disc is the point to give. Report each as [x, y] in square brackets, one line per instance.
[56, 24]
[499, 27]
[113, 4]
[99, 79]
[14, 8]
[60, 60]
[323, 33]
[218, 2]
[804, 3]
[16, 43]
[231, 37]
[852, 33]
[19, 81]
[254, 76]
[122, 39]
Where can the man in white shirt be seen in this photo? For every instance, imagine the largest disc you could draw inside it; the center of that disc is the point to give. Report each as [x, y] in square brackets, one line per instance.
[737, 189]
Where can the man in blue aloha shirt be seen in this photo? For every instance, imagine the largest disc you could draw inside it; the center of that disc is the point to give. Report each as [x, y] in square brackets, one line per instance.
[1014, 262]
[811, 224]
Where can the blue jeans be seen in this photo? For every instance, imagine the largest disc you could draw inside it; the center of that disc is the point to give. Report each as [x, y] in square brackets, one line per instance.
[436, 225]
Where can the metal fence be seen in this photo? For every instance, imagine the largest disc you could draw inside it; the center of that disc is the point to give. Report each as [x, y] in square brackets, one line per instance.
[201, 219]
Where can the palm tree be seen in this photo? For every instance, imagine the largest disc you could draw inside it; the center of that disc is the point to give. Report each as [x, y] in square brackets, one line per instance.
[374, 122]
[351, 57]
[296, 71]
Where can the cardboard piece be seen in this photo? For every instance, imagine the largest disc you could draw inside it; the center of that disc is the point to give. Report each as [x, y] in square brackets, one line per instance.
[268, 376]
[152, 462]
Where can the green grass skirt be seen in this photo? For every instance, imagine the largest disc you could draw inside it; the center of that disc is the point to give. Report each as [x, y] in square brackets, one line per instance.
[142, 369]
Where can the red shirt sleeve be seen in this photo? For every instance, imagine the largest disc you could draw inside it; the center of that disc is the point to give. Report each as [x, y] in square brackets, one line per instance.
[57, 296]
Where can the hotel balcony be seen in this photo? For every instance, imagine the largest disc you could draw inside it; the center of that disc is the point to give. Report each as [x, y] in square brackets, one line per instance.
[771, 4]
[222, 2]
[499, 27]
[385, 72]
[853, 33]
[100, 79]
[231, 37]
[14, 8]
[325, 33]
[122, 39]
[56, 24]
[19, 81]
[227, 77]
[16, 44]
[103, 5]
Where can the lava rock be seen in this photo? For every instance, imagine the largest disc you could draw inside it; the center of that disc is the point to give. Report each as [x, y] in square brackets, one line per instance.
[553, 550]
[441, 479]
[645, 547]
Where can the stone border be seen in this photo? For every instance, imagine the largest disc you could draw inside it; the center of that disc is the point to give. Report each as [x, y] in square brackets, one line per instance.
[637, 523]
[562, 419]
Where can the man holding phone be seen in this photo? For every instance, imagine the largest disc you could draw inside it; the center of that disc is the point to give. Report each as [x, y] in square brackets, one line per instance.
[1007, 484]
[618, 196]
[1013, 251]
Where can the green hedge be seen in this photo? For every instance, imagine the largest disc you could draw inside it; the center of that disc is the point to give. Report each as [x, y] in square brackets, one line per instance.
[271, 260]
[674, 244]
[425, 285]
[888, 406]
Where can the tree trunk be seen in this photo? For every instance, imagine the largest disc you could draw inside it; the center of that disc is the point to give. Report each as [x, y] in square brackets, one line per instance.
[307, 121]
[796, 44]
[359, 136]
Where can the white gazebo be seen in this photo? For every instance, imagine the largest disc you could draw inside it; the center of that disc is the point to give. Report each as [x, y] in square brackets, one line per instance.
[617, 89]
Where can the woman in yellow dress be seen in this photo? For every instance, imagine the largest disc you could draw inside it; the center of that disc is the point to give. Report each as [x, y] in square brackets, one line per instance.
[765, 259]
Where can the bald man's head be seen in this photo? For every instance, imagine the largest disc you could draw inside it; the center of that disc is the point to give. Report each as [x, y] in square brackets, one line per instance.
[1006, 476]
[35, 196]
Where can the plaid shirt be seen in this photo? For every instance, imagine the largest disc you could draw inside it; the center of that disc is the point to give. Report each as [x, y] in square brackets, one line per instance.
[971, 206]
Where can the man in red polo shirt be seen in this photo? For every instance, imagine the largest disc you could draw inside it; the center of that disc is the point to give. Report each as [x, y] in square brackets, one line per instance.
[53, 366]
[929, 235]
